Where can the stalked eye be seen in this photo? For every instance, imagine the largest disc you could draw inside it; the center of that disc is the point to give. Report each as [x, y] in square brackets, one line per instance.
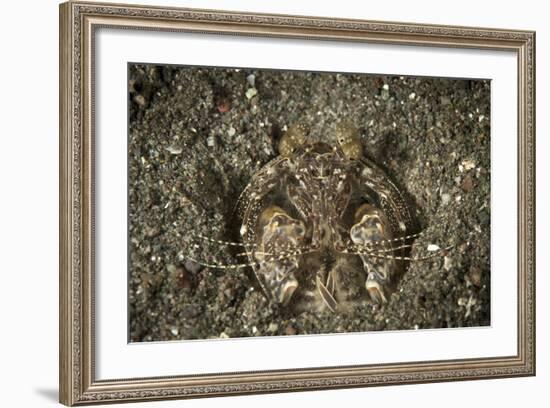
[348, 139]
[295, 136]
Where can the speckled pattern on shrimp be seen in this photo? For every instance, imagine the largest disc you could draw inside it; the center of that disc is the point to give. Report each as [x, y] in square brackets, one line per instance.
[197, 136]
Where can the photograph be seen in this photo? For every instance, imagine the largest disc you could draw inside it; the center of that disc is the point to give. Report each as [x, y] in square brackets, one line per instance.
[269, 202]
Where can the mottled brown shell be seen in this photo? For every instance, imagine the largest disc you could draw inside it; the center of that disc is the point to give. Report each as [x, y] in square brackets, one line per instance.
[323, 226]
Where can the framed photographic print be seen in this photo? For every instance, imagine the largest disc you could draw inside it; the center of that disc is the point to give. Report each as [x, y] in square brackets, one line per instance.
[259, 203]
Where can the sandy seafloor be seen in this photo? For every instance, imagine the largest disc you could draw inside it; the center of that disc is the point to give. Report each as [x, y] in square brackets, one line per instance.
[196, 137]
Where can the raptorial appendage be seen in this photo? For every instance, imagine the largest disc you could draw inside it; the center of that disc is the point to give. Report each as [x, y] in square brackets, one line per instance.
[372, 230]
[278, 252]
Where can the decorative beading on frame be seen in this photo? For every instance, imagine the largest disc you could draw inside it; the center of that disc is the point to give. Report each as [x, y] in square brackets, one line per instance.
[77, 205]
[342, 382]
[302, 22]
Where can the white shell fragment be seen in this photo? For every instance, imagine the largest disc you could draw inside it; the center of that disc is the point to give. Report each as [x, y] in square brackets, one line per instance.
[467, 165]
[251, 93]
[174, 149]
[433, 247]
[447, 263]
[251, 79]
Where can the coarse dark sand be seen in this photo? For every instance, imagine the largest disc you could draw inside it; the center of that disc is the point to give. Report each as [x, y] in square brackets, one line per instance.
[197, 136]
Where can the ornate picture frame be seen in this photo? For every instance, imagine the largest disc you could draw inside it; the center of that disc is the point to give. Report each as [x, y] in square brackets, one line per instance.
[79, 22]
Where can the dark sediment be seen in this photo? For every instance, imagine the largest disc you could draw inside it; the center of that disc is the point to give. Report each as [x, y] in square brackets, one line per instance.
[196, 138]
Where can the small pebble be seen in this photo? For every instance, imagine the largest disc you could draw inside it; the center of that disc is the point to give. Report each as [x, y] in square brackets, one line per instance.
[444, 100]
[224, 106]
[131, 85]
[174, 149]
[251, 93]
[190, 311]
[475, 276]
[447, 263]
[151, 232]
[468, 164]
[290, 331]
[467, 183]
[140, 100]
[181, 276]
[192, 267]
[251, 79]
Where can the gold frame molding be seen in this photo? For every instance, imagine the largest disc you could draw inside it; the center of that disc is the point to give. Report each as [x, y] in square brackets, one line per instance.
[78, 22]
